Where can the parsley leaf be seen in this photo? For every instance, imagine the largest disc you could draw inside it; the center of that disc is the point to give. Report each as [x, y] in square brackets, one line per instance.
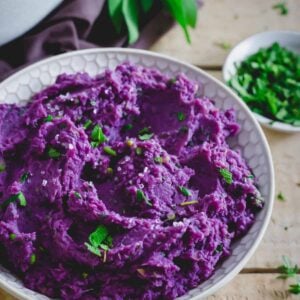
[87, 124]
[287, 270]
[142, 197]
[32, 259]
[226, 174]
[145, 134]
[97, 136]
[181, 116]
[19, 196]
[49, 118]
[99, 238]
[282, 8]
[184, 191]
[12, 236]
[158, 159]
[280, 197]
[2, 167]
[269, 82]
[53, 153]
[24, 177]
[294, 288]
[109, 151]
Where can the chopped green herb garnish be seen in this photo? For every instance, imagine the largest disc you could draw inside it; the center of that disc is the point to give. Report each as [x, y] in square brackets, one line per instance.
[142, 197]
[32, 259]
[53, 153]
[250, 176]
[109, 151]
[138, 151]
[22, 199]
[77, 195]
[181, 116]
[12, 236]
[145, 134]
[84, 275]
[269, 82]
[158, 159]
[97, 136]
[20, 196]
[280, 197]
[24, 177]
[226, 174]
[99, 238]
[294, 288]
[282, 8]
[49, 118]
[184, 191]
[93, 249]
[287, 270]
[2, 167]
[127, 127]
[224, 45]
[87, 124]
[172, 80]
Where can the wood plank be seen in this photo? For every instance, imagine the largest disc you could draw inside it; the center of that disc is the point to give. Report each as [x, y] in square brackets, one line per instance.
[242, 287]
[255, 287]
[283, 234]
[228, 21]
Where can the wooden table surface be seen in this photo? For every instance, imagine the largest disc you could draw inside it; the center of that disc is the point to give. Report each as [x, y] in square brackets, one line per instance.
[230, 21]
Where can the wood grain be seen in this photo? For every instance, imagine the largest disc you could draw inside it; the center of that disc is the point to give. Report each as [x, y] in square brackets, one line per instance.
[228, 21]
[255, 287]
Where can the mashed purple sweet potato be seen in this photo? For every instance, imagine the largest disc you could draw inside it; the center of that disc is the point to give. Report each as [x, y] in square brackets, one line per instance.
[120, 186]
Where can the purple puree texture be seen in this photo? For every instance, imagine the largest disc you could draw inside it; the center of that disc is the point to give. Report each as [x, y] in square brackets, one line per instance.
[138, 156]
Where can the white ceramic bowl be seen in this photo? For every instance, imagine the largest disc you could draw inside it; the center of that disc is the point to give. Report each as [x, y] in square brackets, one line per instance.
[251, 141]
[288, 39]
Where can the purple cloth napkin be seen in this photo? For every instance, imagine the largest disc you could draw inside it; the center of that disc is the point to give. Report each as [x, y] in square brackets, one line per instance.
[77, 24]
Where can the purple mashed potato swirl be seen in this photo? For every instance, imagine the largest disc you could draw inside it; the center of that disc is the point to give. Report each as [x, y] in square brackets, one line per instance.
[136, 154]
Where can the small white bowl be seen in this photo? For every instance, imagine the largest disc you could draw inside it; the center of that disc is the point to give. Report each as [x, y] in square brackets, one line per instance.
[287, 39]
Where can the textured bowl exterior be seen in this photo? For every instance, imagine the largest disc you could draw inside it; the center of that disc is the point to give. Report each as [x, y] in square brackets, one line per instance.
[251, 141]
[288, 39]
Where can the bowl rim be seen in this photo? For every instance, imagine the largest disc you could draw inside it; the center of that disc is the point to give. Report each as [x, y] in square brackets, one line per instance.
[241, 263]
[263, 120]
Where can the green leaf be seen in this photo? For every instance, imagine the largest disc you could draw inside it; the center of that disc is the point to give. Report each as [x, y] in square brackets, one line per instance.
[190, 8]
[32, 259]
[184, 12]
[130, 13]
[226, 174]
[24, 177]
[97, 136]
[19, 196]
[93, 249]
[115, 12]
[181, 116]
[12, 236]
[158, 159]
[146, 5]
[49, 118]
[142, 197]
[98, 236]
[280, 197]
[53, 153]
[87, 124]
[287, 270]
[145, 134]
[184, 191]
[109, 151]
[2, 167]
[294, 288]
[282, 8]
